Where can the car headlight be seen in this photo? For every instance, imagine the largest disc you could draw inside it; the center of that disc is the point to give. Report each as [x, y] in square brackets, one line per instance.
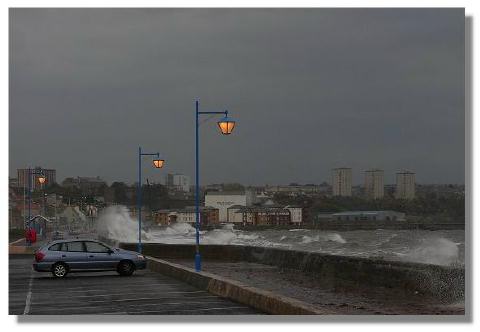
[140, 257]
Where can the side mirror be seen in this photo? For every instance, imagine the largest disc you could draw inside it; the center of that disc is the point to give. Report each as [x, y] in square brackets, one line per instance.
[110, 251]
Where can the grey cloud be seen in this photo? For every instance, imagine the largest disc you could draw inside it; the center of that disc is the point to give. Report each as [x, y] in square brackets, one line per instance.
[311, 89]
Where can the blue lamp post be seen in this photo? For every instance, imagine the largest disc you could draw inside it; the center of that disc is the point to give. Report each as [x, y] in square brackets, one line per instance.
[226, 125]
[157, 163]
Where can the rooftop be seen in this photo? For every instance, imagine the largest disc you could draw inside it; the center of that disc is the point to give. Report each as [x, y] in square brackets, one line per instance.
[262, 209]
[405, 172]
[225, 193]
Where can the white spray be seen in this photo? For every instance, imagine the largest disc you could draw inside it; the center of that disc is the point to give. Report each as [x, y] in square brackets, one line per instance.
[439, 251]
[116, 223]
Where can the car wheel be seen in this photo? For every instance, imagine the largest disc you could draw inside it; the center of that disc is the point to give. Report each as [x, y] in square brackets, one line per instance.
[59, 270]
[125, 268]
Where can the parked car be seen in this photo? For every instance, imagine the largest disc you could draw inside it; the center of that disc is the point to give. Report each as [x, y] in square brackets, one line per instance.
[62, 256]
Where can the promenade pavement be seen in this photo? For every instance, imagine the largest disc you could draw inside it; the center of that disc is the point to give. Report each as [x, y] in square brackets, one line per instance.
[146, 292]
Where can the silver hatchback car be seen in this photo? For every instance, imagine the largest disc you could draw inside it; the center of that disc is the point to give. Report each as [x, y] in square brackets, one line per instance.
[62, 256]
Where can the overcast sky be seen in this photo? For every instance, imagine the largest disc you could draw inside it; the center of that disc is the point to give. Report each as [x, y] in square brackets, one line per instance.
[311, 89]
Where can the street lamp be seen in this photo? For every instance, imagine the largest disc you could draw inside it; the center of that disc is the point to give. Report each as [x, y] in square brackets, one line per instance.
[41, 179]
[226, 125]
[157, 163]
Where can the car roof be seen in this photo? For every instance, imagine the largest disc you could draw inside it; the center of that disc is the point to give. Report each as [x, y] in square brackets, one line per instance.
[72, 240]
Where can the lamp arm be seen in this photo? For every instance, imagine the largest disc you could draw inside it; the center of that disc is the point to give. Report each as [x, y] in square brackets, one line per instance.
[213, 113]
[223, 112]
[150, 154]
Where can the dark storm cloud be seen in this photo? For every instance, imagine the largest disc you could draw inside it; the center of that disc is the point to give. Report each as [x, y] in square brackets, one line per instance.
[312, 89]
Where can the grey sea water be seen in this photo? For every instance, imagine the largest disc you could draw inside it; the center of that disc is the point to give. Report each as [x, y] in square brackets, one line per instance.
[442, 247]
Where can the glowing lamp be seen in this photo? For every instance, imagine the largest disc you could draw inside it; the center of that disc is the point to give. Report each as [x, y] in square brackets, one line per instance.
[42, 179]
[158, 163]
[226, 125]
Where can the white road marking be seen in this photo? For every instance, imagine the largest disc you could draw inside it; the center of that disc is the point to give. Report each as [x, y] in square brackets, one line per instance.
[136, 293]
[123, 300]
[188, 310]
[87, 288]
[12, 243]
[91, 287]
[29, 295]
[131, 305]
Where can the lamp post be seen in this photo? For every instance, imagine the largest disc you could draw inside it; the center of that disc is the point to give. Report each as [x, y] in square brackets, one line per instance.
[157, 163]
[41, 179]
[226, 125]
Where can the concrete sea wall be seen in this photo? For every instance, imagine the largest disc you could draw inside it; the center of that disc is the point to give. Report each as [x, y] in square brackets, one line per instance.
[444, 283]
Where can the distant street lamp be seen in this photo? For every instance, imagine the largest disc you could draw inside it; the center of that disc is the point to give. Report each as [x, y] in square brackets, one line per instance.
[157, 163]
[41, 179]
[226, 125]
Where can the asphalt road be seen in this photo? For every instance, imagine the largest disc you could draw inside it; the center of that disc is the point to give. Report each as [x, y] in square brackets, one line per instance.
[145, 292]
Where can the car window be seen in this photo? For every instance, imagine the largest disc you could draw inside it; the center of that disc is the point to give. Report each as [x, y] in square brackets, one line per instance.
[55, 247]
[75, 246]
[96, 247]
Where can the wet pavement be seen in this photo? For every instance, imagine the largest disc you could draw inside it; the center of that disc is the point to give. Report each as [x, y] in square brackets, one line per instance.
[353, 301]
[145, 292]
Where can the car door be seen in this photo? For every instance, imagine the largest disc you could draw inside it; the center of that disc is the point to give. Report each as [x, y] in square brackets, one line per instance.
[73, 253]
[100, 256]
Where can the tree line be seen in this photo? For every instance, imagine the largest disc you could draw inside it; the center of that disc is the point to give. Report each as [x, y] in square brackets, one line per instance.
[450, 207]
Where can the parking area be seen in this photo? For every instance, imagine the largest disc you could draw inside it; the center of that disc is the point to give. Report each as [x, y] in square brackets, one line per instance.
[145, 292]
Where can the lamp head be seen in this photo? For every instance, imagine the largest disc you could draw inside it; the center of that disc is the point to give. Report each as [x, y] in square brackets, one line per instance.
[158, 163]
[42, 179]
[226, 124]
